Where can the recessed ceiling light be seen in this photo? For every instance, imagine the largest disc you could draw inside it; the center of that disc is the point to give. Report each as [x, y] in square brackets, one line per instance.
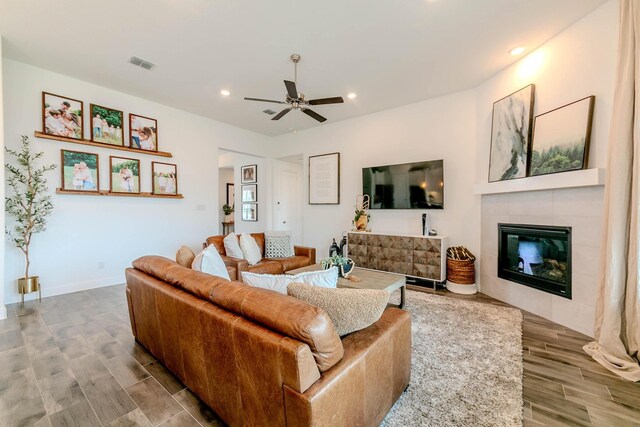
[225, 92]
[517, 51]
[351, 95]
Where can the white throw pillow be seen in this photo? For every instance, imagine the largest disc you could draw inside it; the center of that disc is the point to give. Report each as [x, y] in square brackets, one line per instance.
[209, 261]
[278, 244]
[279, 282]
[322, 278]
[250, 249]
[232, 247]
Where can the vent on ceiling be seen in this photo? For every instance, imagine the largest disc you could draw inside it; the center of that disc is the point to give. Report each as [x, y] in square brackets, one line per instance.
[269, 111]
[141, 63]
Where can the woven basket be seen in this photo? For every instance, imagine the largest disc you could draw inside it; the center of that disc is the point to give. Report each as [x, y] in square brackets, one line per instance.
[461, 272]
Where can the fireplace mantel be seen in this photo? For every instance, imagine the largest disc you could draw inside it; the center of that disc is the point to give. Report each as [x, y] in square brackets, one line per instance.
[580, 178]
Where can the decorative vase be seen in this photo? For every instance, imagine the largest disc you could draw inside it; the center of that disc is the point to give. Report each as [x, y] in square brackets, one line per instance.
[361, 223]
[346, 269]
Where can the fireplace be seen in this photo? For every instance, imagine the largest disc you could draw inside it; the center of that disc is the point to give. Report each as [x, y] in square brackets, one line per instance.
[536, 256]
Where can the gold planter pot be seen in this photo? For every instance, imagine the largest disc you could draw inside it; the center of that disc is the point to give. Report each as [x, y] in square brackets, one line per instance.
[27, 285]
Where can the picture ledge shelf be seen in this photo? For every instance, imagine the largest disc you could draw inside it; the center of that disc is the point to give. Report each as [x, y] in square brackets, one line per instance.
[97, 144]
[108, 193]
[580, 178]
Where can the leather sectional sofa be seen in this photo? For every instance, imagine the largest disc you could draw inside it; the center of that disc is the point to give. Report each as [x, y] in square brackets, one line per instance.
[303, 256]
[257, 357]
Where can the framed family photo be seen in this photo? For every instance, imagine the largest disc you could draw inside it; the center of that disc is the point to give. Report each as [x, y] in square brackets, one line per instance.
[249, 211]
[80, 171]
[143, 133]
[107, 125]
[511, 135]
[250, 193]
[165, 178]
[249, 174]
[561, 138]
[62, 116]
[125, 175]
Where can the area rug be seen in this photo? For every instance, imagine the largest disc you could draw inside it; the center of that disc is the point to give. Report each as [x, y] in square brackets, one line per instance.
[466, 365]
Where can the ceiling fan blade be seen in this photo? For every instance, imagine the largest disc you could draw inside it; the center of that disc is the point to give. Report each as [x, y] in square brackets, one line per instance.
[291, 89]
[322, 101]
[313, 114]
[264, 100]
[281, 114]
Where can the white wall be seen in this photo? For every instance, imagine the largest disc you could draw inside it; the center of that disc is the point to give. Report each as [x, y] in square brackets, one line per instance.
[3, 309]
[225, 176]
[442, 128]
[237, 160]
[577, 63]
[85, 231]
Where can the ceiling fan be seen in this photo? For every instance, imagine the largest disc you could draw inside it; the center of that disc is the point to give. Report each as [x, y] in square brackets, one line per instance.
[296, 100]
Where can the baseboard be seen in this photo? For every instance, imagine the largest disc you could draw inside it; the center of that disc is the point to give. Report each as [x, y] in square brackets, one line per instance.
[68, 289]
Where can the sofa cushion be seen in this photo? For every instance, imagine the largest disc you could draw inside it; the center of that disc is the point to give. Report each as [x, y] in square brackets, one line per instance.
[291, 263]
[277, 244]
[185, 256]
[287, 315]
[210, 261]
[250, 249]
[232, 247]
[350, 309]
[279, 282]
[194, 282]
[267, 267]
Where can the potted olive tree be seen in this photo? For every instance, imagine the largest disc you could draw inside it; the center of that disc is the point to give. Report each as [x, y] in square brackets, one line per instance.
[29, 205]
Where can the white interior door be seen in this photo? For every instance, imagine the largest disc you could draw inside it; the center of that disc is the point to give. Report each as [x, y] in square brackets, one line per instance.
[288, 200]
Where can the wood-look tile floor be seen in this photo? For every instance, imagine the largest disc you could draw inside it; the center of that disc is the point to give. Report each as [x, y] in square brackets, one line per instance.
[72, 361]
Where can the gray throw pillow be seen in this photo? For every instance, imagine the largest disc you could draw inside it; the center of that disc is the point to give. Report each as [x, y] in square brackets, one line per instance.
[277, 245]
[349, 309]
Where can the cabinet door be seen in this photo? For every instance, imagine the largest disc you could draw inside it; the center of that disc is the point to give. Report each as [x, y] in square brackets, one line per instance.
[426, 258]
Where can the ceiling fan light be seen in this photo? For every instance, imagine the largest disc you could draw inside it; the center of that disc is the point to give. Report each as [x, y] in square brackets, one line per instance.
[225, 92]
[351, 95]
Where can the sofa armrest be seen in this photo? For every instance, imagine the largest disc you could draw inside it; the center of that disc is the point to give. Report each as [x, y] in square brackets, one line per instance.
[305, 251]
[238, 264]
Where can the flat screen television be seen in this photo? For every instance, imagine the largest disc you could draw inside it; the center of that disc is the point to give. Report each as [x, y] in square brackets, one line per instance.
[418, 185]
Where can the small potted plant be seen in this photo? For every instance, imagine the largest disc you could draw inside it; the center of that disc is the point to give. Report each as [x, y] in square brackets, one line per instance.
[228, 210]
[345, 265]
[30, 205]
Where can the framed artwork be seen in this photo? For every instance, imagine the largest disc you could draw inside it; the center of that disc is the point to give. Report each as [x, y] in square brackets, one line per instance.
[324, 179]
[231, 194]
[250, 193]
[561, 138]
[107, 125]
[80, 171]
[249, 174]
[62, 116]
[143, 133]
[511, 135]
[165, 178]
[125, 175]
[249, 211]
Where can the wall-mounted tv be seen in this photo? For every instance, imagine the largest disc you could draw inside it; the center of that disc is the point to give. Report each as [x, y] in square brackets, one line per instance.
[418, 185]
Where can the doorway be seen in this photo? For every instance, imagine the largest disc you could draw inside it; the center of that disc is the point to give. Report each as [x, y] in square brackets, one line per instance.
[288, 196]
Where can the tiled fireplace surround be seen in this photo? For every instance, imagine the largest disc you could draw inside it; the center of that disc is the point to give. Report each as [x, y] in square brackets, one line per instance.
[579, 208]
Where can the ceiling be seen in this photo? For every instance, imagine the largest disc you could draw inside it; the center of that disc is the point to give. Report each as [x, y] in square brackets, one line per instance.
[390, 53]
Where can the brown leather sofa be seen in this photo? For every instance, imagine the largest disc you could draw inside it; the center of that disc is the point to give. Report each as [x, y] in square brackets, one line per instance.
[257, 357]
[303, 256]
